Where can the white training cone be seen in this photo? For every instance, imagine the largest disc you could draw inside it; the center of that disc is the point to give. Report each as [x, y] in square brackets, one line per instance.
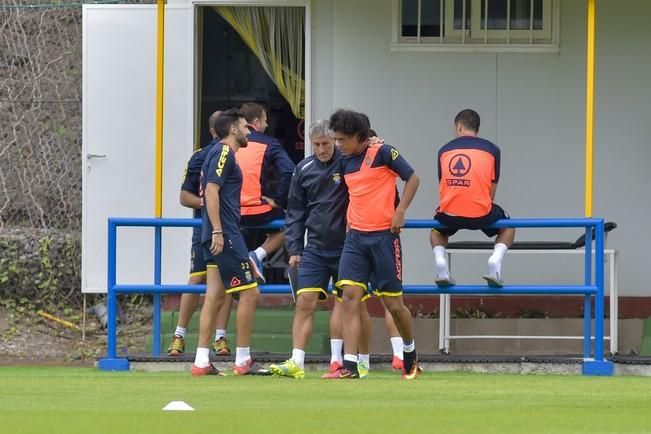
[178, 406]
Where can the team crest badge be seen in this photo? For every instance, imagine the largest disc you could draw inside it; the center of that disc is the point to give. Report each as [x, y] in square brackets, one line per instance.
[336, 178]
[248, 276]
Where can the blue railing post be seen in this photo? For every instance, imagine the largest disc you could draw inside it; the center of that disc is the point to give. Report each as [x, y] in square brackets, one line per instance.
[157, 281]
[598, 366]
[111, 362]
[587, 299]
[111, 323]
[599, 298]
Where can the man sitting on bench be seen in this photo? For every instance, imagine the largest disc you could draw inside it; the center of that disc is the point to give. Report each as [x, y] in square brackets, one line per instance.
[469, 169]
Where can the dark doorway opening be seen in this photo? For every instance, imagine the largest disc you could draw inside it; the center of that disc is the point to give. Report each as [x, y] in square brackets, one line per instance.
[231, 75]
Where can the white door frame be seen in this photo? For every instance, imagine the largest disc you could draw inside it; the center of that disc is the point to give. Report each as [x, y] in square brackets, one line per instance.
[307, 56]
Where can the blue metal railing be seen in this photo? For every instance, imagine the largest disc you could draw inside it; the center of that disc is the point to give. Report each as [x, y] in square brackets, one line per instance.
[592, 365]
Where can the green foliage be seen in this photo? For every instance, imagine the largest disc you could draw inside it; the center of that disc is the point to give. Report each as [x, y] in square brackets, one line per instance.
[40, 270]
[532, 313]
[9, 266]
[473, 312]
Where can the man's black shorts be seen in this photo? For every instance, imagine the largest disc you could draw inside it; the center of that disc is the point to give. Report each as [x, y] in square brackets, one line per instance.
[197, 260]
[233, 263]
[316, 269]
[454, 223]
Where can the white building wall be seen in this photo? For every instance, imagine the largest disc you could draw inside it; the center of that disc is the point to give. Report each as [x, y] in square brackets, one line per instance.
[532, 106]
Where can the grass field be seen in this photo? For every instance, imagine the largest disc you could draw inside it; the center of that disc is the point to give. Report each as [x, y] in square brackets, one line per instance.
[76, 400]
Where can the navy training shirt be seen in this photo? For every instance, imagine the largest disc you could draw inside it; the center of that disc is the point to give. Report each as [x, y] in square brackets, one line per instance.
[317, 201]
[192, 181]
[222, 169]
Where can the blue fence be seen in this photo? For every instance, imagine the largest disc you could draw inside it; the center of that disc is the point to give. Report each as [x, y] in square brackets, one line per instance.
[592, 287]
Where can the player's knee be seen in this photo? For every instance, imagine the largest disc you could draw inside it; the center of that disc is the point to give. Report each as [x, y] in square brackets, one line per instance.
[351, 296]
[394, 305]
[306, 303]
[249, 296]
[214, 297]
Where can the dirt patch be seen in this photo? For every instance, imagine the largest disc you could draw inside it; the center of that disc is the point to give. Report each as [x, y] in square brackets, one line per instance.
[30, 339]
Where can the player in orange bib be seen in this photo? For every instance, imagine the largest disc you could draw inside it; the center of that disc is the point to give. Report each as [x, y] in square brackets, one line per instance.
[469, 169]
[372, 250]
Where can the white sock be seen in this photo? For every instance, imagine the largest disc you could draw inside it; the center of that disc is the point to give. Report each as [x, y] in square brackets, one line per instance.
[260, 253]
[409, 347]
[336, 345]
[441, 261]
[242, 355]
[396, 344]
[298, 356]
[364, 358]
[219, 333]
[350, 357]
[495, 261]
[202, 358]
[180, 331]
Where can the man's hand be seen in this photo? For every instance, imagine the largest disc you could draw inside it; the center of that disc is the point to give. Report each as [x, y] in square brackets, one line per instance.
[398, 221]
[271, 202]
[294, 260]
[217, 244]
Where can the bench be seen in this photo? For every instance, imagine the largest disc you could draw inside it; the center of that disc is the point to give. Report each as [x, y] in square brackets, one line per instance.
[532, 247]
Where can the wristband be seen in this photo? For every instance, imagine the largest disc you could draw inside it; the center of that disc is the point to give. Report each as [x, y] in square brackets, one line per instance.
[217, 232]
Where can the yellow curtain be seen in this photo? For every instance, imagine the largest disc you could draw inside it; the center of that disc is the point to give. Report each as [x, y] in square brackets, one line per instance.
[275, 35]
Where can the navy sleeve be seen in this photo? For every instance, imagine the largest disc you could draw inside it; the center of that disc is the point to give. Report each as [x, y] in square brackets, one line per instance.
[188, 179]
[192, 175]
[498, 157]
[394, 161]
[438, 163]
[220, 165]
[295, 216]
[285, 166]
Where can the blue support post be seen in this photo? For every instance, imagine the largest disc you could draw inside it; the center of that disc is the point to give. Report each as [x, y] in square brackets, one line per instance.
[157, 281]
[111, 362]
[587, 300]
[587, 324]
[599, 366]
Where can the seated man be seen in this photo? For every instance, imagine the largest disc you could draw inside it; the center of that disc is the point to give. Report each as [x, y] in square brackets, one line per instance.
[469, 169]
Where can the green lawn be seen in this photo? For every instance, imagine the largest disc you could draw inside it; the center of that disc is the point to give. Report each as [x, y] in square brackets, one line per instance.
[74, 400]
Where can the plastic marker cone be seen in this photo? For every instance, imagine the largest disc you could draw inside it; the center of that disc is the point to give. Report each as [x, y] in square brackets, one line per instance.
[178, 406]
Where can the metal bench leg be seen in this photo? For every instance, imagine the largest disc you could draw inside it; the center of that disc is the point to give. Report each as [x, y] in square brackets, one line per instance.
[442, 317]
[614, 304]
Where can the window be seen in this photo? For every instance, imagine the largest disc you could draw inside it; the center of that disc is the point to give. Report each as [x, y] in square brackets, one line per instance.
[494, 25]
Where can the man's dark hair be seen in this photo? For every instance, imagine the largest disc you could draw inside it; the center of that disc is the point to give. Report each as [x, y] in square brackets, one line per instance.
[252, 111]
[469, 119]
[212, 120]
[350, 123]
[225, 121]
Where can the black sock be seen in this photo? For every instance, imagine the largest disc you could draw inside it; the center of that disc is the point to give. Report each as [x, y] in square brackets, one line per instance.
[409, 359]
[350, 366]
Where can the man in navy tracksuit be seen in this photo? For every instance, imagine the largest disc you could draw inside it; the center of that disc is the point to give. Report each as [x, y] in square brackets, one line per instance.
[317, 202]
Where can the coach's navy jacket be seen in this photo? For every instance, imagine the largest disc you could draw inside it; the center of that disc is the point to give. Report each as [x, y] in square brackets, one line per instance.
[318, 199]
